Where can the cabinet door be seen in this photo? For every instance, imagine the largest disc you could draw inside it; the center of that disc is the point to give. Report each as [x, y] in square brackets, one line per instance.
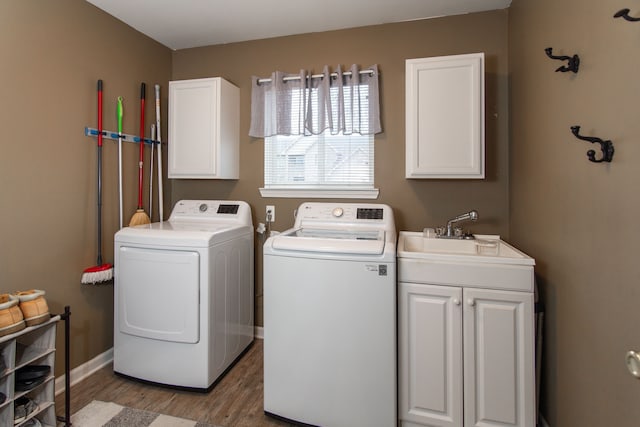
[430, 355]
[445, 117]
[192, 128]
[498, 358]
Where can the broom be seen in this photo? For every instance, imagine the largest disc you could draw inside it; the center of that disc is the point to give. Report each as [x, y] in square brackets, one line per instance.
[140, 217]
[100, 272]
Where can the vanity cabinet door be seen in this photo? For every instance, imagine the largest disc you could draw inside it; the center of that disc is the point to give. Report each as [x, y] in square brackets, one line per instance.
[445, 117]
[430, 355]
[498, 358]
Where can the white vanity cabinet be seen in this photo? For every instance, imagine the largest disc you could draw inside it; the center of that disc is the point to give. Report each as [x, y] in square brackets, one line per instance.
[466, 333]
[204, 129]
[445, 117]
[466, 357]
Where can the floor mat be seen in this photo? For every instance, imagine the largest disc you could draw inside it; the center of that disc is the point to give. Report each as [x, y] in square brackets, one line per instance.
[108, 414]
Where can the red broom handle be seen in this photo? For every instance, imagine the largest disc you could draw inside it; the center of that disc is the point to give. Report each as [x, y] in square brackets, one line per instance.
[99, 113]
[142, 98]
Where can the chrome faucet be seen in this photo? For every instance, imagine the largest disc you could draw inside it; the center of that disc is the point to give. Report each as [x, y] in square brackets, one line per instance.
[450, 233]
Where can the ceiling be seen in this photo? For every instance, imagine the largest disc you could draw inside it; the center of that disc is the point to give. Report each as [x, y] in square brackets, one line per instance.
[181, 24]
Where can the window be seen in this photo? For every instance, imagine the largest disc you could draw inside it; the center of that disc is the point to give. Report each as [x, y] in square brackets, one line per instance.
[320, 161]
[318, 132]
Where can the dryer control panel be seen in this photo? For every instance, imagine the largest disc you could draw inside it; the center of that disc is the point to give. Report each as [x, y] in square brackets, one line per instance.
[202, 210]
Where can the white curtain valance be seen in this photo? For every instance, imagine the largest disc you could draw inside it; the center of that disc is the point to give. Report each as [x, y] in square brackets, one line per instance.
[306, 104]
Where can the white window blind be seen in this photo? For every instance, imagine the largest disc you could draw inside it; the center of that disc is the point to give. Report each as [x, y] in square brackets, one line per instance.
[324, 161]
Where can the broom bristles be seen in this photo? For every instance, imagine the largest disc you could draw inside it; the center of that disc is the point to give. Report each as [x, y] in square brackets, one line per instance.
[139, 218]
[97, 274]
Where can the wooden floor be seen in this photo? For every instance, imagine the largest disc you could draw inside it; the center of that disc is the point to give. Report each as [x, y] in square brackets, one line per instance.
[235, 401]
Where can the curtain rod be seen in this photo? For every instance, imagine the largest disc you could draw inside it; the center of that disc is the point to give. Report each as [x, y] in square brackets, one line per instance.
[316, 76]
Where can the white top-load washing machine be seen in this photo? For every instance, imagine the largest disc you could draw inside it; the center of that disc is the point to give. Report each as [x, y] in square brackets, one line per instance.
[184, 294]
[330, 317]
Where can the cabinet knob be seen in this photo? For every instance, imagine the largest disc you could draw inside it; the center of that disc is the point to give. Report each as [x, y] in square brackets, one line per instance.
[471, 302]
[456, 301]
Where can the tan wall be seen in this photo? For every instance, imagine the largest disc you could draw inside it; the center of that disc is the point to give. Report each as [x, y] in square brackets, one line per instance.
[579, 219]
[576, 218]
[53, 53]
[417, 203]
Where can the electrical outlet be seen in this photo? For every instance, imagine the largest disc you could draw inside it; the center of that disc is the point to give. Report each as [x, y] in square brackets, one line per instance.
[271, 213]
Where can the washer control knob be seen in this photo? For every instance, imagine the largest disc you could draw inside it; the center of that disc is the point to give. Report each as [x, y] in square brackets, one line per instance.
[203, 207]
[338, 212]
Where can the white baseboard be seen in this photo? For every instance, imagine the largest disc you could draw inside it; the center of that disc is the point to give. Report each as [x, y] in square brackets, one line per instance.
[86, 369]
[83, 371]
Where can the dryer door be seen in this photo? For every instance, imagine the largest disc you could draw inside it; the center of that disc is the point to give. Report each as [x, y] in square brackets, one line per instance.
[157, 292]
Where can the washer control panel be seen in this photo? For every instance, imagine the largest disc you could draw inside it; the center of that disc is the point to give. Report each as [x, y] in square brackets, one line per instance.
[343, 214]
[370, 213]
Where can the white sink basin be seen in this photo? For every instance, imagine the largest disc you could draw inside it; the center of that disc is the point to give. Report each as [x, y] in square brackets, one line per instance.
[485, 261]
[483, 248]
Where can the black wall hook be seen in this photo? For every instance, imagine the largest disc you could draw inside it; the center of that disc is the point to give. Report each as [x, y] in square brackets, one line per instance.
[605, 146]
[573, 61]
[624, 13]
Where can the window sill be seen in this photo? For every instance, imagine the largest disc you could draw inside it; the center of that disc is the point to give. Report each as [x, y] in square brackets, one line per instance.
[369, 193]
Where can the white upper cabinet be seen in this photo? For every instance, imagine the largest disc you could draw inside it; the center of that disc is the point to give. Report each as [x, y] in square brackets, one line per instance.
[445, 117]
[204, 129]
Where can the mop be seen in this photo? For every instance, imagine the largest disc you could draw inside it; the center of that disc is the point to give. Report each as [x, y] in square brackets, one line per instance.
[100, 272]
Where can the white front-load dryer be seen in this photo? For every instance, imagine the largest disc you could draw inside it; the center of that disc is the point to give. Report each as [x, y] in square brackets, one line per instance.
[183, 307]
